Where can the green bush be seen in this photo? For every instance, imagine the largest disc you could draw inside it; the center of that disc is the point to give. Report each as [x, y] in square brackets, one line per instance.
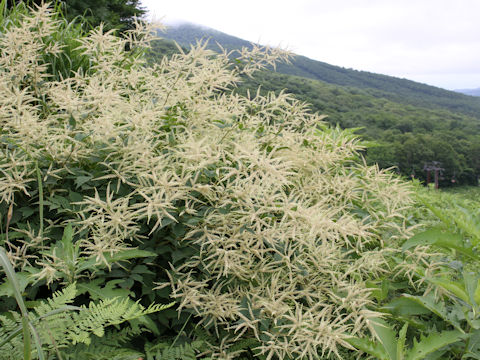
[261, 222]
[437, 315]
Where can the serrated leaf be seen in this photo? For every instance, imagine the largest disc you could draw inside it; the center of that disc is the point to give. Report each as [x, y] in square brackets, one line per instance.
[26, 211]
[436, 355]
[380, 292]
[474, 343]
[471, 281]
[432, 343]
[470, 355]
[438, 308]
[184, 253]
[401, 342]
[99, 331]
[81, 179]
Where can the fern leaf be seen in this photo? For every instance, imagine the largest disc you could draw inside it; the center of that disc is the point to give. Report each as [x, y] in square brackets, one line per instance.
[11, 347]
[59, 299]
[97, 316]
[164, 351]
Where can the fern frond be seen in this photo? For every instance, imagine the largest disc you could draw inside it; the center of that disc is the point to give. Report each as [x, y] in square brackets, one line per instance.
[113, 345]
[59, 299]
[97, 316]
[60, 325]
[101, 352]
[165, 351]
[10, 347]
[179, 352]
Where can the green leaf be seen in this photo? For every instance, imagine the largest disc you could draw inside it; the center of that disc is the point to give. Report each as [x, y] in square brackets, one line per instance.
[386, 336]
[23, 279]
[438, 308]
[26, 211]
[436, 355]
[432, 343]
[129, 254]
[27, 338]
[401, 342]
[81, 179]
[404, 306]
[123, 255]
[476, 295]
[379, 292]
[183, 253]
[470, 355]
[471, 281]
[369, 347]
[452, 287]
[12, 235]
[110, 290]
[67, 242]
[15, 285]
[473, 347]
[438, 237]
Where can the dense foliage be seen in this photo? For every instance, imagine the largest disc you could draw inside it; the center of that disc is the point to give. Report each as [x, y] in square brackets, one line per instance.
[445, 312]
[113, 14]
[405, 137]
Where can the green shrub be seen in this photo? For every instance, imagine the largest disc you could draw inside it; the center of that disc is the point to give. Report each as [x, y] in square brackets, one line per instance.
[434, 314]
[270, 225]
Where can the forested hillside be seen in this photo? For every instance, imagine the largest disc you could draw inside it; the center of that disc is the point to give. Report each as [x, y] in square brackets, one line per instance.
[411, 124]
[399, 90]
[406, 136]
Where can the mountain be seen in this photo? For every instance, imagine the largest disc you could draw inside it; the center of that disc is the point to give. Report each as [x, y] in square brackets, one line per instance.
[471, 92]
[408, 123]
[399, 90]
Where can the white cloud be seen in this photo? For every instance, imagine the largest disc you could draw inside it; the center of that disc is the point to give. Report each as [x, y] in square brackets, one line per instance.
[432, 40]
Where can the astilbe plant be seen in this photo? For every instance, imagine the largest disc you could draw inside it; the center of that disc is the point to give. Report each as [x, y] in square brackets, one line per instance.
[286, 221]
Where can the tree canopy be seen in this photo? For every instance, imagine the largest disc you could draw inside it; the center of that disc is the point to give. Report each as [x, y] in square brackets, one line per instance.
[119, 14]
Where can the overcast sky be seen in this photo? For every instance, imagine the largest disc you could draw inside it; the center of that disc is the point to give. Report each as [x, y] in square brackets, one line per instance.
[431, 41]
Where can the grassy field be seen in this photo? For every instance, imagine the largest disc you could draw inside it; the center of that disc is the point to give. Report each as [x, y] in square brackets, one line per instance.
[467, 193]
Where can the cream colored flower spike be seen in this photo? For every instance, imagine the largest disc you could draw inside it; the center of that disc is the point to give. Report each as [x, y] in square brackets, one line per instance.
[290, 212]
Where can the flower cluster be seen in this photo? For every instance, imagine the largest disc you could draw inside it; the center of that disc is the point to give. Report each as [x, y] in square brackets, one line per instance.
[291, 224]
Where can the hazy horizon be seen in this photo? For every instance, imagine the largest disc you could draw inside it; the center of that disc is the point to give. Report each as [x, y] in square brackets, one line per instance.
[432, 42]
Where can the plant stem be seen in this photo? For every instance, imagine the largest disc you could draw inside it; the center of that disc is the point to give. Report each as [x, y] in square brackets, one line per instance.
[181, 330]
[40, 199]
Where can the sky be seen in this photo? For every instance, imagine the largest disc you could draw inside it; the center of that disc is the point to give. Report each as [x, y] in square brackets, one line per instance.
[436, 42]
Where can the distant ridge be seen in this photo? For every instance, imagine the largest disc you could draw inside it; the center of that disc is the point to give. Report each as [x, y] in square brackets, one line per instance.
[381, 86]
[471, 92]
